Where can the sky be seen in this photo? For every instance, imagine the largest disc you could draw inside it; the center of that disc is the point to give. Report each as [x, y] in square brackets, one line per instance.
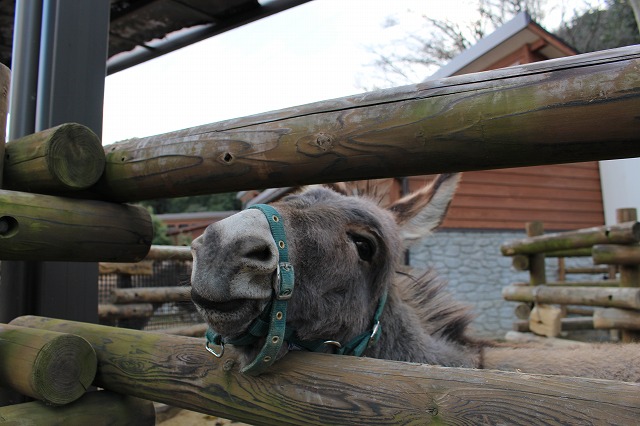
[309, 53]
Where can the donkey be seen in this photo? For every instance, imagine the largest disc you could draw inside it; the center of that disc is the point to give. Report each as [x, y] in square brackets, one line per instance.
[321, 270]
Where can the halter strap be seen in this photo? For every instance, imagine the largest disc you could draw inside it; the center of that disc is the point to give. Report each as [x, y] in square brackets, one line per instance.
[277, 318]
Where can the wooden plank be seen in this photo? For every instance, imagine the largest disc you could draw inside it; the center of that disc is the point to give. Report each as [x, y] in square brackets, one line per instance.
[320, 389]
[623, 233]
[533, 114]
[511, 190]
[44, 227]
[501, 177]
[591, 296]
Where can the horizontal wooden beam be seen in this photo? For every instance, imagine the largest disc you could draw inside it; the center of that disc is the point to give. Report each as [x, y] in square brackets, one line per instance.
[566, 324]
[626, 319]
[169, 253]
[94, 408]
[45, 227]
[130, 310]
[151, 294]
[613, 254]
[69, 157]
[623, 233]
[579, 108]
[320, 389]
[589, 296]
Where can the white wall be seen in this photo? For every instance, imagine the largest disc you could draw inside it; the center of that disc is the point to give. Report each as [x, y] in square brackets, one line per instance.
[620, 186]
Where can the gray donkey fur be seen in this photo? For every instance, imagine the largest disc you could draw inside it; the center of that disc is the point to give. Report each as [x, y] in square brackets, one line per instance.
[346, 252]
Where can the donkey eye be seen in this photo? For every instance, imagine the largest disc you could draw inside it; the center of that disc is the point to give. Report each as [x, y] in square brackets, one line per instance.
[366, 249]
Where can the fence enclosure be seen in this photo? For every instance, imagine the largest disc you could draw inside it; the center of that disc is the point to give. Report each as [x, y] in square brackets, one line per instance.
[573, 109]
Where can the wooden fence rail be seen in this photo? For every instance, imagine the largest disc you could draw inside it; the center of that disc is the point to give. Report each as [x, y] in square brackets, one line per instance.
[320, 389]
[94, 408]
[623, 233]
[578, 108]
[45, 227]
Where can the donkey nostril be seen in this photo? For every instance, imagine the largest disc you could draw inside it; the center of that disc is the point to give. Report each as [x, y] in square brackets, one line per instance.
[261, 254]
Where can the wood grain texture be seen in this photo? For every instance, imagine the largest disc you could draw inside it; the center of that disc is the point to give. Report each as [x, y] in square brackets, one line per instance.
[68, 157]
[55, 368]
[45, 227]
[94, 409]
[320, 389]
[568, 110]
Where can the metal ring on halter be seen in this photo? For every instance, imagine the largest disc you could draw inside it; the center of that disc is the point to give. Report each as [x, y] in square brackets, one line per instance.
[216, 354]
[375, 331]
[333, 343]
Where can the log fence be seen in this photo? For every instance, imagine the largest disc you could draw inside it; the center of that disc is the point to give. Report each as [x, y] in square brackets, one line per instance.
[545, 305]
[532, 114]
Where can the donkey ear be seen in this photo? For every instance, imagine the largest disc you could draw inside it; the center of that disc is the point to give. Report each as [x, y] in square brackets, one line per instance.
[419, 213]
[339, 187]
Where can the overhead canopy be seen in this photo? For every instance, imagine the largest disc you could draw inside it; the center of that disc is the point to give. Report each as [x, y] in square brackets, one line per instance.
[144, 29]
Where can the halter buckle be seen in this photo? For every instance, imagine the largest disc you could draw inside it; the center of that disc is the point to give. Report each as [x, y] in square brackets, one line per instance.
[284, 281]
[211, 350]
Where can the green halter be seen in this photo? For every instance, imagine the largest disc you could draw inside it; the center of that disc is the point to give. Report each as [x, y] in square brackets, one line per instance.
[271, 324]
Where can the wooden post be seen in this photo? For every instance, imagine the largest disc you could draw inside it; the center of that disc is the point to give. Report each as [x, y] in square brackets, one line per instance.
[540, 113]
[49, 366]
[537, 271]
[64, 158]
[629, 273]
[320, 389]
[94, 408]
[44, 227]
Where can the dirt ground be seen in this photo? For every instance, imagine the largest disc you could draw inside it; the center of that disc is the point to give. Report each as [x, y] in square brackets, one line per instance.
[171, 416]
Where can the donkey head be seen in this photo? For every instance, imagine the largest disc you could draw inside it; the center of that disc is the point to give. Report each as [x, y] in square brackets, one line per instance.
[344, 251]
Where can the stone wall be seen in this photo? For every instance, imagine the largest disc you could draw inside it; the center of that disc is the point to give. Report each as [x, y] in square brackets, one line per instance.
[476, 270]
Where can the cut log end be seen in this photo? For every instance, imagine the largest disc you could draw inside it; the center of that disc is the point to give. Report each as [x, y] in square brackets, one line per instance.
[64, 369]
[75, 156]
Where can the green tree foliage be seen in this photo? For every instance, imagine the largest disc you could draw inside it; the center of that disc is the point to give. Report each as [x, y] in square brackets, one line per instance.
[599, 29]
[200, 203]
[160, 229]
